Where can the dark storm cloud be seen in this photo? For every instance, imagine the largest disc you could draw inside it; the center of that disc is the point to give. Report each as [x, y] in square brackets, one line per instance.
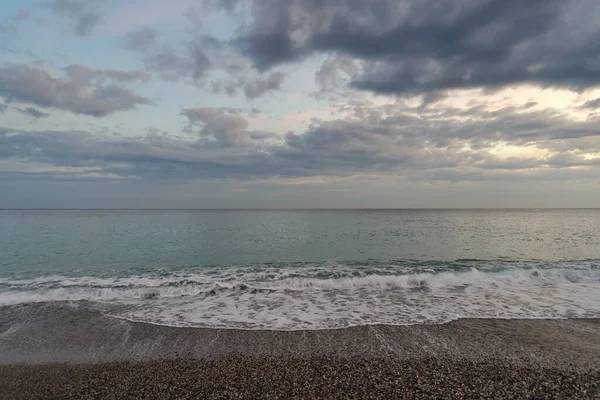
[415, 46]
[89, 91]
[81, 12]
[33, 112]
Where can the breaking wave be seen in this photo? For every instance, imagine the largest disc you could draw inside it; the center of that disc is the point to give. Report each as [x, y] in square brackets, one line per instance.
[329, 295]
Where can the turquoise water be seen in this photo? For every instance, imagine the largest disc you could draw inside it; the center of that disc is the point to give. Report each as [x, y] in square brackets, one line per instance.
[305, 268]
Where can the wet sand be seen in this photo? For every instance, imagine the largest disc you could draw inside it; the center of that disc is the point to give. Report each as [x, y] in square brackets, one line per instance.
[80, 353]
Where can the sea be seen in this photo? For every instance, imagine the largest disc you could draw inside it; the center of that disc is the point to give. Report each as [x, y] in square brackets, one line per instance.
[304, 269]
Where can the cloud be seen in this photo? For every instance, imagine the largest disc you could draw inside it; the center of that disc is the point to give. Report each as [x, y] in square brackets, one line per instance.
[3, 108]
[222, 128]
[440, 143]
[84, 90]
[592, 104]
[82, 73]
[210, 63]
[191, 67]
[33, 112]
[408, 47]
[85, 23]
[81, 12]
[142, 39]
[193, 62]
[259, 87]
[335, 71]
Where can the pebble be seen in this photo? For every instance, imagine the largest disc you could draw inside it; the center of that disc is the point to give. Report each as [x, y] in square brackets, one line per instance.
[323, 377]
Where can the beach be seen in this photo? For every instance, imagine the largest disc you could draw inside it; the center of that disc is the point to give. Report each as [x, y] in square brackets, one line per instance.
[306, 378]
[82, 353]
[307, 304]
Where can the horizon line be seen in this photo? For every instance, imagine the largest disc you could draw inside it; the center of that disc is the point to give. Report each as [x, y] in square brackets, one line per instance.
[294, 208]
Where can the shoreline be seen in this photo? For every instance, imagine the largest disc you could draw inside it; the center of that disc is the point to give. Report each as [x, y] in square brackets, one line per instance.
[62, 351]
[46, 333]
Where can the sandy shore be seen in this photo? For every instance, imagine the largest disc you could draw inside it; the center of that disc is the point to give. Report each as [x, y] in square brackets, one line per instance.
[61, 351]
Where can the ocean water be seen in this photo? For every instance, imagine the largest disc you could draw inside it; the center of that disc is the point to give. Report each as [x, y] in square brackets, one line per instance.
[304, 269]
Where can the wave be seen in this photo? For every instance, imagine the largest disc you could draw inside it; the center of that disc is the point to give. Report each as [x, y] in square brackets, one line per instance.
[310, 298]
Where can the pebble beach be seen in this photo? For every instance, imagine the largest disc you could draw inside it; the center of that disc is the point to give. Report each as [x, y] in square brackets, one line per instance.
[79, 354]
[299, 378]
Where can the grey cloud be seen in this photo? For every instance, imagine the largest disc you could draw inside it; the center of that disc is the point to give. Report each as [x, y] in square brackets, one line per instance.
[223, 86]
[592, 104]
[3, 108]
[438, 143]
[259, 87]
[69, 6]
[85, 23]
[203, 63]
[82, 12]
[335, 71]
[142, 39]
[415, 46]
[222, 128]
[193, 63]
[169, 65]
[86, 91]
[82, 73]
[192, 66]
[432, 98]
[33, 112]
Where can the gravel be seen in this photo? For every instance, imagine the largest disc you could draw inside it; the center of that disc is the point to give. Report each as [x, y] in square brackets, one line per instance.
[301, 378]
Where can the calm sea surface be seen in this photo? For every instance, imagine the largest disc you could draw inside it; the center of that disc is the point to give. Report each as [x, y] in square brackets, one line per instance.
[305, 269]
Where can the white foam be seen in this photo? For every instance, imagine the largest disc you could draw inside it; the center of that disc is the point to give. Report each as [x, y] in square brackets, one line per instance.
[253, 298]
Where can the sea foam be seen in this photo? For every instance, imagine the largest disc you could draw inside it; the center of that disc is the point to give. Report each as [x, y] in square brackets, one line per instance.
[327, 296]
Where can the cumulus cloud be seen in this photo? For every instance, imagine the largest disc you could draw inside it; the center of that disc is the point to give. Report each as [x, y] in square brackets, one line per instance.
[84, 90]
[416, 46]
[221, 127]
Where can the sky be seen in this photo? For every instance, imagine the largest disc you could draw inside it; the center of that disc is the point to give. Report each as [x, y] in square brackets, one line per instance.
[299, 103]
